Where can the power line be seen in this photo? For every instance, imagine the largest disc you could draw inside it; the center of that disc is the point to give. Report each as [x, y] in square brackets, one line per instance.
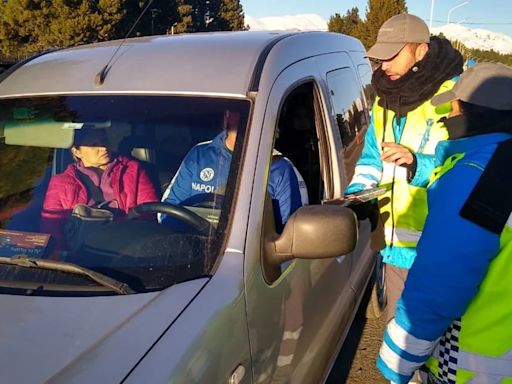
[472, 23]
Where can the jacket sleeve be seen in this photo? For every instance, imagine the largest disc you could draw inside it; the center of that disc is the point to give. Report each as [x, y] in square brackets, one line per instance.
[425, 166]
[368, 169]
[53, 207]
[284, 189]
[146, 191]
[453, 257]
[54, 214]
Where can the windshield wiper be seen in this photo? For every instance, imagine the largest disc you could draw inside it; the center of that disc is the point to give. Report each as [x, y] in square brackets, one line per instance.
[53, 265]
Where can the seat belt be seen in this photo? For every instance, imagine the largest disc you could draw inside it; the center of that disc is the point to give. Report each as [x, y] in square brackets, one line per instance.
[92, 189]
[490, 203]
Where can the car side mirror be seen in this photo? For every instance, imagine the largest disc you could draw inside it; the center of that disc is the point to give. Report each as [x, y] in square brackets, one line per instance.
[312, 232]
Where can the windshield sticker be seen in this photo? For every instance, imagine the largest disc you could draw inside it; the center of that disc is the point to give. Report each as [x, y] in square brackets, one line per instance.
[26, 243]
[72, 125]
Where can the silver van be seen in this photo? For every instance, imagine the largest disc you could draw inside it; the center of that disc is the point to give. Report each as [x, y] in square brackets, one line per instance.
[225, 296]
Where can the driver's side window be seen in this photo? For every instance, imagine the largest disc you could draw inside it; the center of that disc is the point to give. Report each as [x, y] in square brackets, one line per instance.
[297, 139]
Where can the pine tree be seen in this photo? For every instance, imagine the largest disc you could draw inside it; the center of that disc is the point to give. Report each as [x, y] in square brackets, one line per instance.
[231, 15]
[209, 15]
[187, 16]
[31, 26]
[157, 20]
[348, 24]
[377, 12]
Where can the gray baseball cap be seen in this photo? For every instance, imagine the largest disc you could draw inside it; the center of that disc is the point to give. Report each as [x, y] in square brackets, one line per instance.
[395, 33]
[486, 84]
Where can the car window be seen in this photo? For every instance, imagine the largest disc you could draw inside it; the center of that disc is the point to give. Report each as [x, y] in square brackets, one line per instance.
[297, 140]
[351, 111]
[365, 74]
[56, 151]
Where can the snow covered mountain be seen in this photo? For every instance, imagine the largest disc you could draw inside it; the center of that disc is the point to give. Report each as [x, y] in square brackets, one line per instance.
[471, 38]
[476, 38]
[306, 22]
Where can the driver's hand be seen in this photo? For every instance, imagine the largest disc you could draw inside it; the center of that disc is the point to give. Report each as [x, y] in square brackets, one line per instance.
[396, 153]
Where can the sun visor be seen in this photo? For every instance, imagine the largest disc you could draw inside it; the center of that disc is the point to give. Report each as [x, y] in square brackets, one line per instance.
[39, 133]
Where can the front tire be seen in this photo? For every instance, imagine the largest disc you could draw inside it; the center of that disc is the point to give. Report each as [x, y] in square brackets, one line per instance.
[377, 302]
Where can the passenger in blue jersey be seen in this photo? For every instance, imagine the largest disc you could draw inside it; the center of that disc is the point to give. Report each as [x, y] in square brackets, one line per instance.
[454, 313]
[205, 169]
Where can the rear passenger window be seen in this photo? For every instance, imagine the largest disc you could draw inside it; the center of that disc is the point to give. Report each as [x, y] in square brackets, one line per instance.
[365, 74]
[348, 103]
[351, 111]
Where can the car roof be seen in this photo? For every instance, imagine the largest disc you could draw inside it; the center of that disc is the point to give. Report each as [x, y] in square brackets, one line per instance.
[220, 63]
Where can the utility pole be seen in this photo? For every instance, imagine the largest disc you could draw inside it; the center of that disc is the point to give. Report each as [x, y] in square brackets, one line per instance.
[431, 14]
[451, 9]
[207, 18]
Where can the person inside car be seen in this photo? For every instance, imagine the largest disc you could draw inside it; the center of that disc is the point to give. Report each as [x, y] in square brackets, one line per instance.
[97, 178]
[204, 171]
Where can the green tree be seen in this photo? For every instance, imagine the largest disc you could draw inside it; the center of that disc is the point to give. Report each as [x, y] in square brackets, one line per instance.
[231, 16]
[377, 12]
[186, 16]
[209, 15]
[157, 20]
[31, 26]
[348, 24]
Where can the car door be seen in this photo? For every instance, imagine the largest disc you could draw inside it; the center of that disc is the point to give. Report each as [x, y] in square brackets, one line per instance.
[296, 320]
[347, 88]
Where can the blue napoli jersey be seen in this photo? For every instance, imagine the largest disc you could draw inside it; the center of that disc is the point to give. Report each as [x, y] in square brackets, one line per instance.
[205, 170]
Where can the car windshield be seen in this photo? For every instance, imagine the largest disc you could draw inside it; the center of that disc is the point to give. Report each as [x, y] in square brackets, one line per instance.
[114, 191]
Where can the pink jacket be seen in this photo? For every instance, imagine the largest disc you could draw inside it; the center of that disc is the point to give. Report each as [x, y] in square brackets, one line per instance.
[130, 183]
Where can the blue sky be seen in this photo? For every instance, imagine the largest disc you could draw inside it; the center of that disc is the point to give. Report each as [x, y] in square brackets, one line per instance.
[486, 14]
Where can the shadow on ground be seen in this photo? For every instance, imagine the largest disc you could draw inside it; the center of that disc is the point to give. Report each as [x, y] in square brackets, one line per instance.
[355, 363]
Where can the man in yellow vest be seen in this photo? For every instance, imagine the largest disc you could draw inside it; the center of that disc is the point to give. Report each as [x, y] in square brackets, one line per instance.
[455, 310]
[404, 131]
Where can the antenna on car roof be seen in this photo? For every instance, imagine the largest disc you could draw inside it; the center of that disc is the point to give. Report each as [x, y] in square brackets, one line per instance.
[100, 77]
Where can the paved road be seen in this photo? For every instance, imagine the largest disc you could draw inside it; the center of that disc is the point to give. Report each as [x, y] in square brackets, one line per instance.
[356, 361]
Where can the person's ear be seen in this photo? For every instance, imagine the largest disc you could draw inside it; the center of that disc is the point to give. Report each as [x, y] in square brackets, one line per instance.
[421, 51]
[456, 109]
[76, 152]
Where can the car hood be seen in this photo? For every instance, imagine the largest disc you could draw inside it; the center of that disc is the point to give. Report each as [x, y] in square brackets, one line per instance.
[84, 339]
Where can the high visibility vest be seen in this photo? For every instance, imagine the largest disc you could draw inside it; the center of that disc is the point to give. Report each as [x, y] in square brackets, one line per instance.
[404, 207]
[478, 347]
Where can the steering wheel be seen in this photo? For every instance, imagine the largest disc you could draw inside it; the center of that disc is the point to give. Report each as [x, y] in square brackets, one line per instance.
[181, 213]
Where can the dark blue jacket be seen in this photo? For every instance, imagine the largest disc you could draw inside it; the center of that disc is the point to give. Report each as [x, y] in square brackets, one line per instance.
[205, 171]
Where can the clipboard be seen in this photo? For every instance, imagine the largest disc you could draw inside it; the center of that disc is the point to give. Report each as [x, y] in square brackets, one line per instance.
[358, 197]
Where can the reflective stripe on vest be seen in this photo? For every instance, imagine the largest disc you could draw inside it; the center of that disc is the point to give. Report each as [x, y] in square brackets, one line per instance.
[366, 175]
[402, 236]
